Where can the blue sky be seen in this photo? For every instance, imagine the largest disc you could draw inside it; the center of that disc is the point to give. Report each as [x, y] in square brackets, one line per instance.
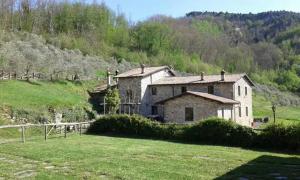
[142, 9]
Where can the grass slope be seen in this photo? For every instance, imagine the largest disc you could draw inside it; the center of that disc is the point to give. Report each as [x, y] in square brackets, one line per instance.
[100, 157]
[285, 114]
[41, 94]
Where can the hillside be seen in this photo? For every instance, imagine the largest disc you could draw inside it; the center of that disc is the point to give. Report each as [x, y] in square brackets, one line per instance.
[36, 101]
[265, 26]
[60, 40]
[20, 51]
[264, 45]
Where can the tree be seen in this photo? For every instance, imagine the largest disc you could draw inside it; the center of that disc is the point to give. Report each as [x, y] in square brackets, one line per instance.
[112, 100]
[152, 37]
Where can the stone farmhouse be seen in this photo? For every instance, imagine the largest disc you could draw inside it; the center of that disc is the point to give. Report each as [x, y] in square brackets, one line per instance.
[158, 93]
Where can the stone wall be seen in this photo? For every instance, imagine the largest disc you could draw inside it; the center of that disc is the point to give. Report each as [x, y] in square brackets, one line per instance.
[168, 91]
[146, 89]
[245, 101]
[174, 110]
[141, 91]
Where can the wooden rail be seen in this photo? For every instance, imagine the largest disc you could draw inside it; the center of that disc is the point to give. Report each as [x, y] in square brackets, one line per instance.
[77, 125]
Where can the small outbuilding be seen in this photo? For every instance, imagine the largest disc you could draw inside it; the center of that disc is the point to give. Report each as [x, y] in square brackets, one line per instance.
[192, 106]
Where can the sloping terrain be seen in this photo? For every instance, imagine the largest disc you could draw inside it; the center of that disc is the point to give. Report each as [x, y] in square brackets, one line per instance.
[34, 101]
[20, 51]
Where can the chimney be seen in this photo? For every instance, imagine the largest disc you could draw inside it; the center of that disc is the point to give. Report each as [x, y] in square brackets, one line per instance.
[117, 79]
[223, 75]
[142, 68]
[202, 76]
[108, 78]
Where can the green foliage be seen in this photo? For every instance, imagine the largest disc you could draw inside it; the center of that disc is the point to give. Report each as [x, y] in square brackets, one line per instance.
[218, 131]
[101, 74]
[207, 27]
[152, 37]
[210, 131]
[288, 80]
[127, 125]
[205, 41]
[112, 100]
[280, 136]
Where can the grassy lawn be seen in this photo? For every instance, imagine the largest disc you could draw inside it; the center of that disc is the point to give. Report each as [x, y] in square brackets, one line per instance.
[285, 114]
[101, 157]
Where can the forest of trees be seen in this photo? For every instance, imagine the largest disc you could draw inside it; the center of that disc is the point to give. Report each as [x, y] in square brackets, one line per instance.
[265, 45]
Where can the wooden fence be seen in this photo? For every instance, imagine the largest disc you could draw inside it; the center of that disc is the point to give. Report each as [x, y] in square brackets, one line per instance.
[48, 128]
[42, 76]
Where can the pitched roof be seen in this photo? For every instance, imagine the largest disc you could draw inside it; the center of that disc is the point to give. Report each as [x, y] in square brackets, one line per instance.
[147, 71]
[202, 95]
[102, 88]
[197, 79]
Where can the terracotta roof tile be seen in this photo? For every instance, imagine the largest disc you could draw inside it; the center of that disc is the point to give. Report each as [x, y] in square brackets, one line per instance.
[202, 95]
[137, 72]
[197, 79]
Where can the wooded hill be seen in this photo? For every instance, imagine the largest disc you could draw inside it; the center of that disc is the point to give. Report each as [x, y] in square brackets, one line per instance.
[265, 45]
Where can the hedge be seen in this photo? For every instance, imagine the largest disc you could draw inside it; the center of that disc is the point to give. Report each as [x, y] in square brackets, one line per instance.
[211, 131]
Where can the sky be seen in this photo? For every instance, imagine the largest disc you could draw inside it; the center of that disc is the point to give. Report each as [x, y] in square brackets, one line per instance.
[138, 10]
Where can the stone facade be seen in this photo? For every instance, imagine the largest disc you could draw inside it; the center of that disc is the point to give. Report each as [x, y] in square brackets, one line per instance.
[245, 99]
[174, 110]
[145, 90]
[139, 86]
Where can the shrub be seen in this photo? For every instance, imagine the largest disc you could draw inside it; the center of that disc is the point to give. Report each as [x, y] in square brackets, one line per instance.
[212, 131]
[129, 125]
[280, 136]
[218, 131]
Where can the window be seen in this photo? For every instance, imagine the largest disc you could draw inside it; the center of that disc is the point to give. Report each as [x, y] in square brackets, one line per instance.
[246, 111]
[189, 114]
[183, 89]
[240, 111]
[210, 89]
[129, 94]
[154, 110]
[246, 91]
[239, 90]
[154, 90]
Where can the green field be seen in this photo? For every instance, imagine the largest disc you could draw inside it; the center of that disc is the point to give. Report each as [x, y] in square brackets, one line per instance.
[285, 114]
[102, 157]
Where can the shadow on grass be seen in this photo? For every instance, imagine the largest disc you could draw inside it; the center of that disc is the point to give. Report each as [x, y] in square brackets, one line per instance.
[266, 167]
[30, 82]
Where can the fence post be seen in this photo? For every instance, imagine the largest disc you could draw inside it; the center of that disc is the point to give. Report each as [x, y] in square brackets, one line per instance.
[23, 134]
[80, 129]
[65, 131]
[45, 131]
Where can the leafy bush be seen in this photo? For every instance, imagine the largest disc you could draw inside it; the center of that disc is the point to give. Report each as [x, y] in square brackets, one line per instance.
[129, 125]
[218, 131]
[212, 131]
[280, 136]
